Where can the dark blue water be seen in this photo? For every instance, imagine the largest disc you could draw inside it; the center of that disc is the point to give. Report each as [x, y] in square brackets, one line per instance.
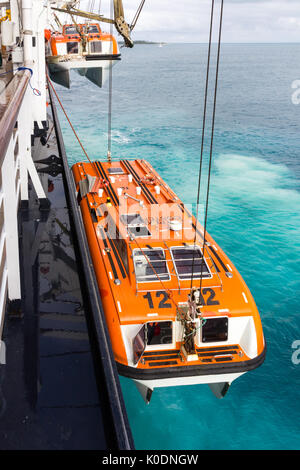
[253, 214]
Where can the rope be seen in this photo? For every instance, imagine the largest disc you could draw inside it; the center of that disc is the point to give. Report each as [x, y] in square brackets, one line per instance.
[202, 321]
[212, 133]
[36, 92]
[203, 133]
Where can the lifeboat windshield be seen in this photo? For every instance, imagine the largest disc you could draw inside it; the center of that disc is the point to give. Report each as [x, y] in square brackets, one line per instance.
[70, 30]
[92, 29]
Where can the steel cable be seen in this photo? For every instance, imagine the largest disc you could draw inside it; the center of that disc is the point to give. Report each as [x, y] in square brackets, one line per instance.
[203, 133]
[211, 139]
[212, 136]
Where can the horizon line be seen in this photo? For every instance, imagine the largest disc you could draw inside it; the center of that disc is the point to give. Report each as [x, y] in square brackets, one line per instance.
[223, 42]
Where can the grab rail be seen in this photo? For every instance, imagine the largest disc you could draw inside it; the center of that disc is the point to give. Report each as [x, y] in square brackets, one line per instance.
[10, 103]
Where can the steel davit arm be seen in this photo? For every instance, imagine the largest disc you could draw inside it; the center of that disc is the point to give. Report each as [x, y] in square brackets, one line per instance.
[121, 26]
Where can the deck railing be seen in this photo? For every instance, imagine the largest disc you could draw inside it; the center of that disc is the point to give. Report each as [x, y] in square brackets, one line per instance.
[15, 138]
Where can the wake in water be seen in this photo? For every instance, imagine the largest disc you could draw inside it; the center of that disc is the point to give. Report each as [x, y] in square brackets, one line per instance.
[253, 211]
[256, 180]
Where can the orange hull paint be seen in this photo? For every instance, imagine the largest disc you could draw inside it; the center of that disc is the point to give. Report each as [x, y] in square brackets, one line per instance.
[129, 304]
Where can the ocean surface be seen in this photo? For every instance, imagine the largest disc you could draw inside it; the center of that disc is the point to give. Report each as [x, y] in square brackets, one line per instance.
[254, 214]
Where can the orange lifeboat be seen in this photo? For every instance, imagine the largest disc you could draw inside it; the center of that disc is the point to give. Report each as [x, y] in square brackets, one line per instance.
[177, 310]
[81, 47]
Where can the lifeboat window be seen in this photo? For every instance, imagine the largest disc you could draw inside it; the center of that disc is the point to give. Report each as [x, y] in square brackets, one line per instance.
[159, 333]
[183, 260]
[151, 334]
[215, 329]
[72, 47]
[95, 47]
[70, 30]
[150, 265]
[93, 29]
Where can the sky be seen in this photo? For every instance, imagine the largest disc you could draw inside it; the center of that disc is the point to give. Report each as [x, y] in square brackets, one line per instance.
[188, 20]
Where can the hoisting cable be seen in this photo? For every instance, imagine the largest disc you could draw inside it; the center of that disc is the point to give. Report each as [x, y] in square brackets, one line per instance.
[109, 117]
[203, 133]
[136, 16]
[71, 125]
[80, 33]
[212, 135]
[92, 4]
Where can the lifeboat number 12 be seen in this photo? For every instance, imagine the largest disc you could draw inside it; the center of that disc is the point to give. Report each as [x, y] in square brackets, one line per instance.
[164, 298]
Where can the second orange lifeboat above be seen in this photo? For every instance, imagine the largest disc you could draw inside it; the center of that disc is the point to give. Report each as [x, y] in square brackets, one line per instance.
[84, 48]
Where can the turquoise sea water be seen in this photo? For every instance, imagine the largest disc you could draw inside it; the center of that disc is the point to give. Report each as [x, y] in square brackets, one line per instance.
[253, 214]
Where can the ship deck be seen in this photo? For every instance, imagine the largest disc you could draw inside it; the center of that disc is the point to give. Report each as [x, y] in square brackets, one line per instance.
[59, 388]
